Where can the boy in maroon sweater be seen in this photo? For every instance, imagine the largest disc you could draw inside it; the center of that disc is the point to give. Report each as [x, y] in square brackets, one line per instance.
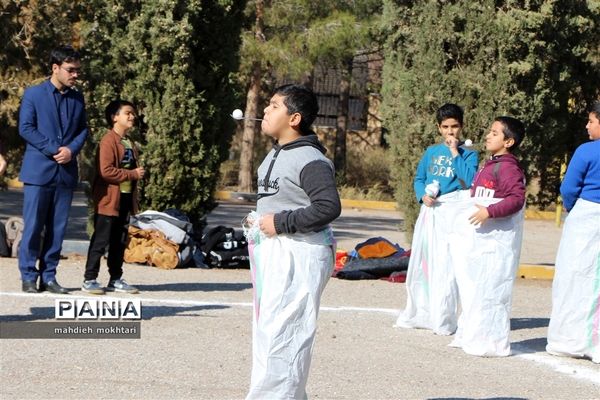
[501, 177]
[492, 257]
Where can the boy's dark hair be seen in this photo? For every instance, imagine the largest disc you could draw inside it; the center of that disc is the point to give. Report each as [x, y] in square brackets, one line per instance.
[513, 129]
[449, 110]
[302, 100]
[596, 109]
[113, 108]
[63, 54]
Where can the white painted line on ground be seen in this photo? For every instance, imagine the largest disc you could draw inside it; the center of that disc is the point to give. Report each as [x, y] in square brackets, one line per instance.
[126, 296]
[186, 302]
[392, 311]
[557, 364]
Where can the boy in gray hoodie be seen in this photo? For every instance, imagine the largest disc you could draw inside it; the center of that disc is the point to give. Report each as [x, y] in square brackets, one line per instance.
[291, 245]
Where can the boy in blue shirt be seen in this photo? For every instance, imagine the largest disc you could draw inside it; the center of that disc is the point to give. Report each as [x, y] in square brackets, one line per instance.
[432, 294]
[452, 166]
[574, 328]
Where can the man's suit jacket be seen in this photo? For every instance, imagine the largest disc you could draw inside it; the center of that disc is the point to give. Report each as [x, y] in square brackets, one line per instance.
[40, 127]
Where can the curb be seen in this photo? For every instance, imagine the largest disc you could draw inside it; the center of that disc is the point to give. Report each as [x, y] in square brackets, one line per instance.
[534, 271]
[14, 183]
[79, 247]
[346, 203]
[240, 196]
[222, 195]
[536, 214]
[372, 205]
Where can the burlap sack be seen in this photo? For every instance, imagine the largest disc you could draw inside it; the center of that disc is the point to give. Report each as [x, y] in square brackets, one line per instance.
[147, 246]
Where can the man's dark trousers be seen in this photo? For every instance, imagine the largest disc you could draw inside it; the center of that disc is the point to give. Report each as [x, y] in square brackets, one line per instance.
[44, 206]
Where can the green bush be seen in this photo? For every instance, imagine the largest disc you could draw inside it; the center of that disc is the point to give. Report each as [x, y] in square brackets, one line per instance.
[368, 167]
[367, 175]
[374, 193]
[173, 61]
[534, 60]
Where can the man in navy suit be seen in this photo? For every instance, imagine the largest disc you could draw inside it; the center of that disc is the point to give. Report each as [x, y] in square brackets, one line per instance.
[52, 121]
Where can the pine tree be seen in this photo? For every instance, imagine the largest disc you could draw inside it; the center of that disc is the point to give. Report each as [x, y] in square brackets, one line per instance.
[286, 41]
[527, 59]
[169, 58]
[333, 42]
[30, 30]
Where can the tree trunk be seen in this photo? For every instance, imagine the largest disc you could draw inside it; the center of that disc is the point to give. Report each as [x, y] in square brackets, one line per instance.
[307, 79]
[342, 122]
[252, 102]
[247, 153]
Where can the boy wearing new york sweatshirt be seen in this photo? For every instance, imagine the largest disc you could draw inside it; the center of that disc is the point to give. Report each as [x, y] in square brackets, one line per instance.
[486, 279]
[432, 294]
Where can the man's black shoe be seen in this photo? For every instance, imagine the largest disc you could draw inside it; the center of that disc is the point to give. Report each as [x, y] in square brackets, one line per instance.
[29, 287]
[53, 287]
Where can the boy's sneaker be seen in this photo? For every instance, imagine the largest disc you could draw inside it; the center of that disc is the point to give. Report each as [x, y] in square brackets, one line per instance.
[92, 287]
[119, 285]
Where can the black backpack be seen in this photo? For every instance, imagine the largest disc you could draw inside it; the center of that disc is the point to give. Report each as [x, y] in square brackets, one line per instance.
[4, 249]
[225, 247]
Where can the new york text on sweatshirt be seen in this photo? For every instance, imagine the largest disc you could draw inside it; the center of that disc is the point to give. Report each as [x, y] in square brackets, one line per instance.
[453, 173]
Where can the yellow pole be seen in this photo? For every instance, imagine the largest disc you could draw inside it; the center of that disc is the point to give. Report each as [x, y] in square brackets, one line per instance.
[559, 204]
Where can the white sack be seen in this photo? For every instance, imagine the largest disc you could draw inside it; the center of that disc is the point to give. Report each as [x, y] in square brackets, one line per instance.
[485, 279]
[432, 294]
[575, 320]
[289, 273]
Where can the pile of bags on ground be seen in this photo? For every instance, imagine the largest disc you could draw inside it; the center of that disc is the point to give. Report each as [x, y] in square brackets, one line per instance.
[167, 240]
[375, 258]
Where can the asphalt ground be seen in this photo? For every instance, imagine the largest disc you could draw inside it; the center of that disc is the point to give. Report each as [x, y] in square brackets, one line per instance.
[540, 241]
[196, 335]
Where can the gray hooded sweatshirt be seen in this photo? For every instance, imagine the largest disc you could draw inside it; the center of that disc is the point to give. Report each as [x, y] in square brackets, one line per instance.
[296, 183]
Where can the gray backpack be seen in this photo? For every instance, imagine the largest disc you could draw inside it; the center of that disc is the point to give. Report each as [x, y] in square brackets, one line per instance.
[14, 233]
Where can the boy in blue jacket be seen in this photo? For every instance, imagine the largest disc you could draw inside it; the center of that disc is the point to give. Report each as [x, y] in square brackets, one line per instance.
[432, 294]
[574, 328]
